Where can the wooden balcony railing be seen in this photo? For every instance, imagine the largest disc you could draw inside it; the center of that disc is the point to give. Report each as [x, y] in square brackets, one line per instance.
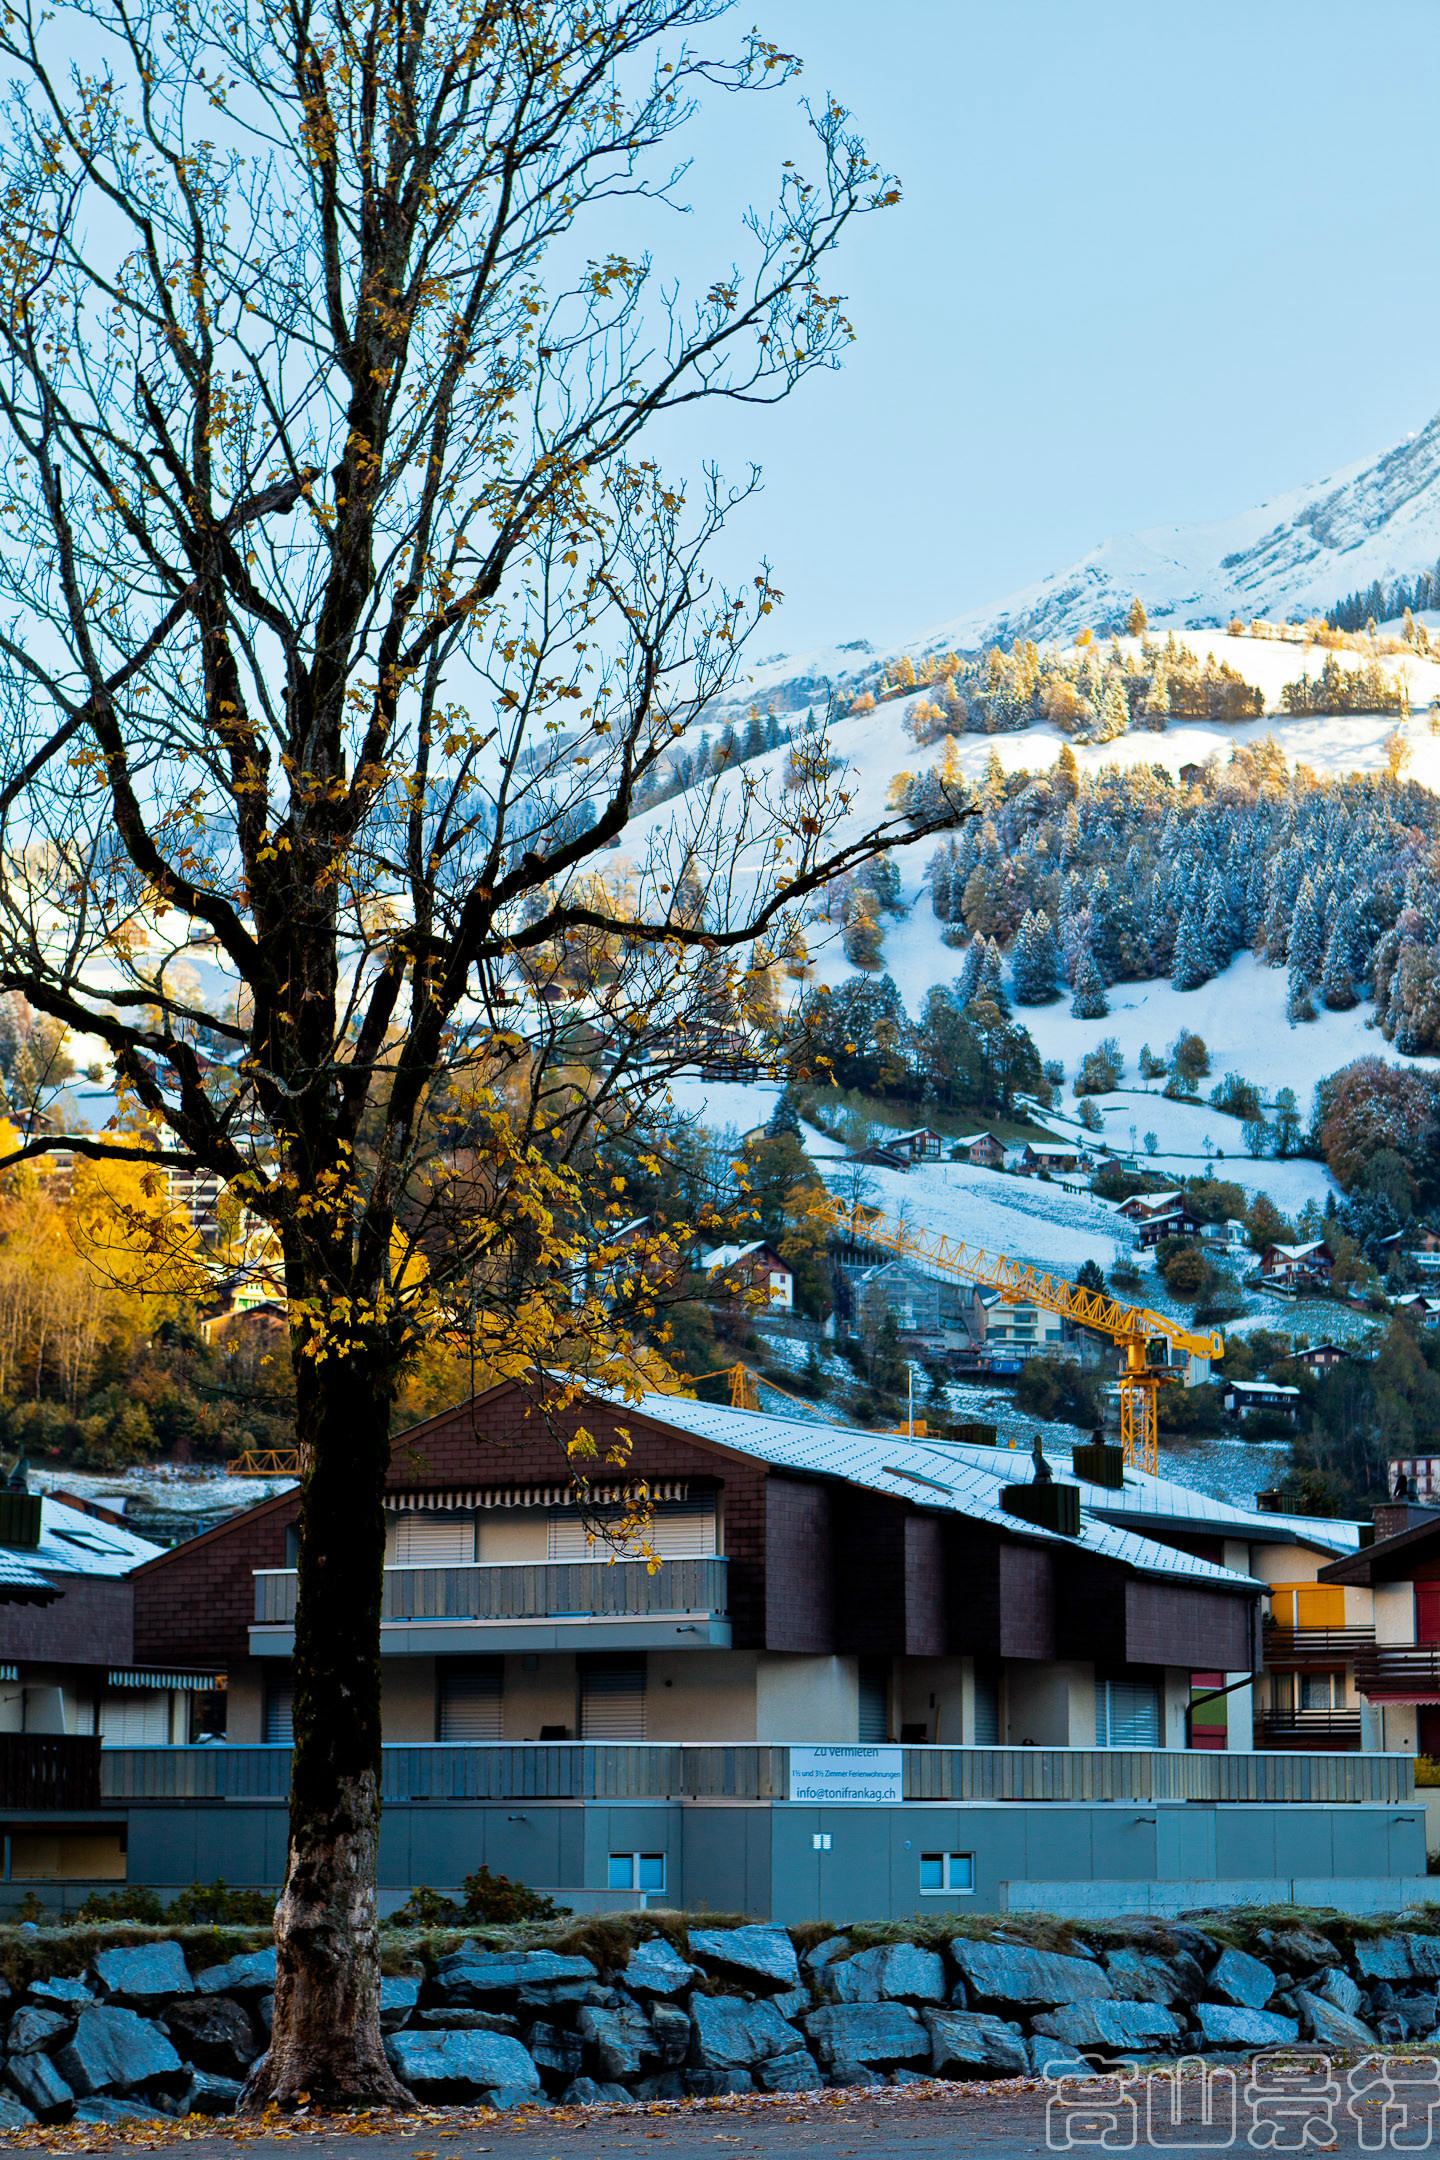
[1399, 1672]
[1285, 1646]
[1310, 1728]
[49, 1770]
[538, 1590]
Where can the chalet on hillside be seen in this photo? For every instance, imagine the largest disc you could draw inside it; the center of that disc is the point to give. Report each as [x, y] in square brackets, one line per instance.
[1248, 1398]
[982, 1149]
[1323, 1357]
[1058, 1157]
[921, 1145]
[1298, 1267]
[755, 1271]
[1159, 1215]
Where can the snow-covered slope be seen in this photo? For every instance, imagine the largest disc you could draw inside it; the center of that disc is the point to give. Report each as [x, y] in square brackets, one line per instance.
[1287, 558]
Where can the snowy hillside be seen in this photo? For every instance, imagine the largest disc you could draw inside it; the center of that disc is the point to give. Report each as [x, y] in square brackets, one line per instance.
[1293, 556]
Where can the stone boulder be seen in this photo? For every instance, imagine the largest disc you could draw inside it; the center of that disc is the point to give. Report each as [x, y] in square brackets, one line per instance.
[105, 2108]
[1297, 1949]
[587, 2092]
[557, 2053]
[145, 1975]
[1424, 1956]
[474, 1978]
[1108, 2027]
[253, 1973]
[1223, 2026]
[449, 2019]
[398, 1996]
[1052, 2059]
[32, 2028]
[623, 2040]
[672, 2033]
[1008, 1973]
[40, 2087]
[1338, 1989]
[728, 2034]
[875, 2034]
[1383, 1957]
[114, 2051]
[968, 2043]
[797, 2072]
[657, 1968]
[208, 2094]
[1328, 2026]
[460, 2065]
[1245, 1982]
[1147, 1976]
[1419, 2013]
[14, 2115]
[898, 1972]
[761, 1956]
[215, 2033]
[716, 2084]
[824, 1953]
[61, 1994]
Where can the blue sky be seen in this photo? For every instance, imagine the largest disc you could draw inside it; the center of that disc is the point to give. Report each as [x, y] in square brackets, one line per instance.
[1154, 264]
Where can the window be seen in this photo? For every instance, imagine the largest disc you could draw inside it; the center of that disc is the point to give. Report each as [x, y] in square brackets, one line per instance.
[636, 1871]
[441, 1538]
[1322, 1691]
[987, 1709]
[612, 1698]
[677, 1527]
[874, 1701]
[945, 1874]
[1127, 1713]
[280, 1711]
[470, 1698]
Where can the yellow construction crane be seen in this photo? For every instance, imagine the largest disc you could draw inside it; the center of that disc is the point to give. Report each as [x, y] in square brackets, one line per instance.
[265, 1462]
[1145, 1337]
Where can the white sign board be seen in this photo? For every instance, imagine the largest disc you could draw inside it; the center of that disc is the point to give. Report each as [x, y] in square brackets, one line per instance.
[872, 1774]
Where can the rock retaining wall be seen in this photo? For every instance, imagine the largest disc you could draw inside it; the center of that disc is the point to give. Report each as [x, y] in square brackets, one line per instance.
[705, 2010]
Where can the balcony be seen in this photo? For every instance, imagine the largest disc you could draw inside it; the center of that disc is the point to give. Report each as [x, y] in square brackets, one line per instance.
[1298, 1647]
[49, 1770]
[1399, 1672]
[534, 1605]
[1310, 1729]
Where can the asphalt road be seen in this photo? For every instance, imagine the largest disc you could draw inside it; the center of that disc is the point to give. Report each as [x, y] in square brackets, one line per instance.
[1005, 2122]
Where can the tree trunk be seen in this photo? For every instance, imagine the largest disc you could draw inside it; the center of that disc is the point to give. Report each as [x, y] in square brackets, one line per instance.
[325, 2041]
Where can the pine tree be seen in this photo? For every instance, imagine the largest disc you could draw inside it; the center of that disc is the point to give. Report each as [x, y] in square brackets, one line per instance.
[1089, 1001]
[1191, 965]
[772, 730]
[968, 980]
[1337, 987]
[1305, 950]
[1034, 962]
[754, 741]
[990, 982]
[1299, 1004]
[1137, 622]
[784, 1118]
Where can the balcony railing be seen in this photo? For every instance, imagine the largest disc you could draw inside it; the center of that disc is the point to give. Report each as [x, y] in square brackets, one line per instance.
[1399, 1672]
[531, 1590]
[583, 1770]
[1310, 1728]
[49, 1770]
[1316, 1646]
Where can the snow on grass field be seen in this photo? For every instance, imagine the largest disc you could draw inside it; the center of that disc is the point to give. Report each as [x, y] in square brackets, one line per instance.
[1181, 1131]
[1040, 1224]
[725, 1106]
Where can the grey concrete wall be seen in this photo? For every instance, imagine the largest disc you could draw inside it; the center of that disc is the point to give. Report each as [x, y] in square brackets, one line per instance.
[773, 1861]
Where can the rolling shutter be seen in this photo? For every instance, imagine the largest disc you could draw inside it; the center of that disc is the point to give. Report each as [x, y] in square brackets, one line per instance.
[439, 1539]
[678, 1528]
[471, 1700]
[1127, 1713]
[612, 1698]
[280, 1711]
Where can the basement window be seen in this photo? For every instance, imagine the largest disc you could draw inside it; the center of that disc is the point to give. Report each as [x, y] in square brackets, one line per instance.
[636, 1871]
[945, 1874]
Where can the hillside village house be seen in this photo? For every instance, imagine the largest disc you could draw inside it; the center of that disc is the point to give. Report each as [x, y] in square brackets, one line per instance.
[981, 1149]
[754, 1271]
[1159, 1215]
[1230, 1236]
[1323, 1357]
[921, 1145]
[1396, 1661]
[1058, 1158]
[1298, 1267]
[932, 1311]
[1248, 1398]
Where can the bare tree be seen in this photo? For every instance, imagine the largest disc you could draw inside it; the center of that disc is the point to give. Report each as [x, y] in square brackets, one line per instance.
[347, 616]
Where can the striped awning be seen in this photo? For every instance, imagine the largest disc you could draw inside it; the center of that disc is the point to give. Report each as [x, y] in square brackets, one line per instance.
[194, 1683]
[9, 1672]
[531, 1496]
